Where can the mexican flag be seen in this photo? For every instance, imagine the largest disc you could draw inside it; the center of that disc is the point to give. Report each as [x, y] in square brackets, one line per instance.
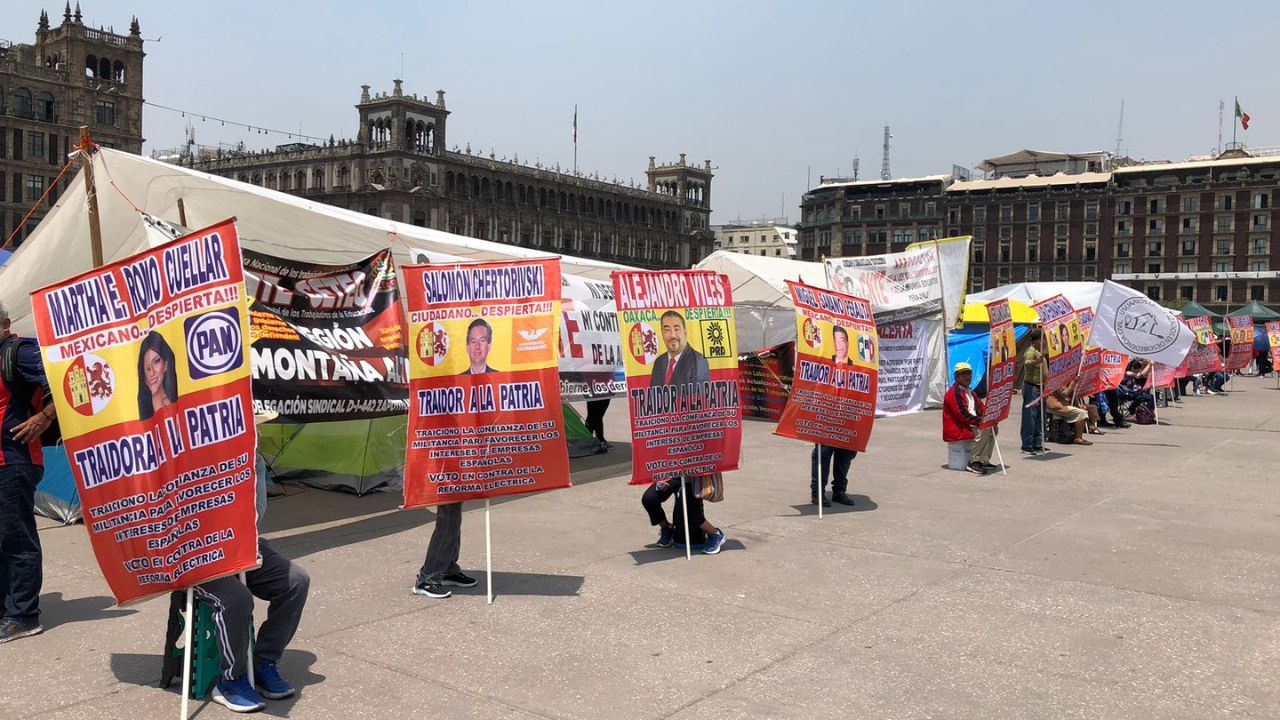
[1244, 116]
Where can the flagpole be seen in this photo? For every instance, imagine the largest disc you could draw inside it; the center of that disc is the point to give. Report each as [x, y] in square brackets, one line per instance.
[1234, 124]
[575, 139]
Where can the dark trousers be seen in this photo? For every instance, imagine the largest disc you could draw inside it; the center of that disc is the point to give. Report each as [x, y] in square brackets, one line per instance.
[21, 563]
[834, 462]
[657, 493]
[1032, 422]
[595, 417]
[1113, 406]
[1136, 398]
[283, 584]
[445, 545]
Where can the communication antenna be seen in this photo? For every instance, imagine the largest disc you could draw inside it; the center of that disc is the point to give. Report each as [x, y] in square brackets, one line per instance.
[1119, 132]
[1222, 105]
[884, 165]
[855, 168]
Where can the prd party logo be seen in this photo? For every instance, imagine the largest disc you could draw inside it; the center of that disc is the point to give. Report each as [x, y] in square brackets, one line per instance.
[642, 343]
[433, 344]
[214, 343]
[89, 384]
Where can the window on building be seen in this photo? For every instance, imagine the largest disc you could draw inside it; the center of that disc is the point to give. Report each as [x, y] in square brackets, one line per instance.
[1187, 292]
[854, 211]
[1033, 212]
[976, 285]
[44, 107]
[1091, 229]
[22, 104]
[35, 144]
[953, 216]
[907, 235]
[930, 208]
[1124, 207]
[1188, 247]
[35, 187]
[1063, 211]
[1153, 292]
[1223, 224]
[104, 112]
[1220, 293]
[1060, 251]
[1224, 202]
[1223, 247]
[1257, 266]
[1090, 251]
[1257, 292]
[1258, 246]
[1122, 249]
[1155, 247]
[1124, 227]
[904, 209]
[979, 254]
[1187, 266]
[1155, 267]
[1033, 232]
[1190, 203]
[1033, 253]
[1006, 232]
[1261, 201]
[1003, 274]
[1006, 252]
[1222, 266]
[879, 212]
[1006, 213]
[979, 215]
[1156, 206]
[1060, 230]
[1032, 273]
[1091, 210]
[1059, 272]
[1190, 224]
[1120, 268]
[897, 235]
[1091, 271]
[1261, 221]
[979, 233]
[1155, 225]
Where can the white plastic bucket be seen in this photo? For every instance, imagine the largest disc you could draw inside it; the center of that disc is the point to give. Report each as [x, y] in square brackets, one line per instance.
[958, 454]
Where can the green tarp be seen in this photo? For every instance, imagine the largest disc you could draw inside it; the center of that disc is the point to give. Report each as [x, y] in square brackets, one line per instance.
[1256, 310]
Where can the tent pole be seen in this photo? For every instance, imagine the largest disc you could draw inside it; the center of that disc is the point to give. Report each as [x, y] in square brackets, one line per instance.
[91, 192]
[684, 505]
[244, 578]
[186, 656]
[488, 553]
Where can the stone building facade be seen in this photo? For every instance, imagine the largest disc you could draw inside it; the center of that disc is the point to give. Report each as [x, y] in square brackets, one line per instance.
[399, 168]
[767, 238]
[72, 75]
[1128, 223]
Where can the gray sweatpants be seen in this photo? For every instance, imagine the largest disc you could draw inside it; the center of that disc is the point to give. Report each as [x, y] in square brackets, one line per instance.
[445, 545]
[282, 584]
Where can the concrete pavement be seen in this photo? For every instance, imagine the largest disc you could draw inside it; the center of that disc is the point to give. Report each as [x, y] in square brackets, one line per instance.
[1138, 578]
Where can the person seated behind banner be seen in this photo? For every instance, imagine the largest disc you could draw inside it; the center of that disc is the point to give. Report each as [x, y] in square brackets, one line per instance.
[830, 461]
[658, 493]
[680, 364]
[1132, 387]
[157, 375]
[285, 586]
[1058, 403]
[479, 342]
[962, 414]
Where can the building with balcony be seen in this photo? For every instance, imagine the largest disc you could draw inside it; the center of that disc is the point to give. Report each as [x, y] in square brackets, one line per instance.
[72, 75]
[1169, 219]
[399, 167]
[771, 238]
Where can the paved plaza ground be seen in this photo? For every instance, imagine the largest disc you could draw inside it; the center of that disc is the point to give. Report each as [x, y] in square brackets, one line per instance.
[1139, 578]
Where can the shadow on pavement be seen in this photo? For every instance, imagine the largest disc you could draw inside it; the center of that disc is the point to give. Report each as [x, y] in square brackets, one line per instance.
[56, 610]
[653, 553]
[532, 584]
[144, 669]
[862, 503]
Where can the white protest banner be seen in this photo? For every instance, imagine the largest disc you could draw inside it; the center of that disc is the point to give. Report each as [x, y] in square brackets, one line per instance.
[905, 349]
[900, 286]
[1129, 322]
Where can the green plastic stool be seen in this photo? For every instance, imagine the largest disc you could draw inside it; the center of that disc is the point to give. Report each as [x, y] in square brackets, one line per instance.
[206, 658]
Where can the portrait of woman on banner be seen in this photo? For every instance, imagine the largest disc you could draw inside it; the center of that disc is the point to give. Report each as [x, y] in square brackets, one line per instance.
[157, 375]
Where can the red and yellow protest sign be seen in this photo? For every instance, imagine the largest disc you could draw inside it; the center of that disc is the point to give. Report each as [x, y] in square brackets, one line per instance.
[681, 362]
[1273, 341]
[1203, 356]
[148, 360]
[1111, 372]
[1241, 343]
[484, 389]
[1090, 382]
[833, 395]
[1002, 364]
[1066, 342]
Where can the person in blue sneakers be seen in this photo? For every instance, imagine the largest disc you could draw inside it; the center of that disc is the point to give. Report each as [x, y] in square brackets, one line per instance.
[284, 585]
[658, 493]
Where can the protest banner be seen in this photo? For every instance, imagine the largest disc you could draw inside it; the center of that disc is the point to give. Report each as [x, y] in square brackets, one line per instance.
[1084, 316]
[1064, 339]
[1129, 322]
[484, 412]
[678, 344]
[328, 340]
[1002, 364]
[1273, 342]
[1090, 382]
[925, 279]
[1241, 353]
[833, 398]
[1111, 370]
[907, 373]
[1203, 356]
[1162, 376]
[148, 360]
[765, 380]
[590, 355]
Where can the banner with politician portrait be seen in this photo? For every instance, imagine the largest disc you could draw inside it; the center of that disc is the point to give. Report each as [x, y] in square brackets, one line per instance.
[1064, 340]
[1273, 342]
[1002, 364]
[1241, 353]
[833, 396]
[1203, 356]
[484, 392]
[148, 360]
[681, 363]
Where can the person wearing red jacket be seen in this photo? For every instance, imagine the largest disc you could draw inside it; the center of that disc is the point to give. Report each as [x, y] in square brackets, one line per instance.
[961, 415]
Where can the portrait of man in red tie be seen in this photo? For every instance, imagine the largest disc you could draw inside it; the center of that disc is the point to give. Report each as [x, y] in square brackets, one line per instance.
[680, 364]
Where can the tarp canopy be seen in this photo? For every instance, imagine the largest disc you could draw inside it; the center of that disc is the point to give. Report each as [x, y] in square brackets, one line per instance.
[1081, 294]
[1194, 309]
[977, 313]
[972, 344]
[1256, 310]
[270, 222]
[763, 311]
[4, 256]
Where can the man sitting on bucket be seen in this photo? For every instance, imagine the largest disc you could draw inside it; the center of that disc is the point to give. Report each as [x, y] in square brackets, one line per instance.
[961, 415]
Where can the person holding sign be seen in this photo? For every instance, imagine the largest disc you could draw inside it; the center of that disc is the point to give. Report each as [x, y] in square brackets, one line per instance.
[25, 413]
[961, 417]
[1032, 378]
[658, 493]
[680, 364]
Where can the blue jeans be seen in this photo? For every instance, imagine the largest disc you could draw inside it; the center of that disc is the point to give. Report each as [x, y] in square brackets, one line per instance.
[834, 463]
[21, 573]
[1032, 425]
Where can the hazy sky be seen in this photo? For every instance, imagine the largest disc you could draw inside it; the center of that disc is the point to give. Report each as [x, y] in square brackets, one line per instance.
[768, 91]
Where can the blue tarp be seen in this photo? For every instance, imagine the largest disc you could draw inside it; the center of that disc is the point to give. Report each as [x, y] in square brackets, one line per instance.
[972, 344]
[4, 256]
[56, 495]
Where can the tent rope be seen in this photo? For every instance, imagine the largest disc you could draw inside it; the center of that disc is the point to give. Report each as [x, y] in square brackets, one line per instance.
[52, 185]
[107, 171]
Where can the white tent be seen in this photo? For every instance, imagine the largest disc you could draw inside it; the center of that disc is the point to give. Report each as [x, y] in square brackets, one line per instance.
[762, 304]
[1080, 294]
[268, 221]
